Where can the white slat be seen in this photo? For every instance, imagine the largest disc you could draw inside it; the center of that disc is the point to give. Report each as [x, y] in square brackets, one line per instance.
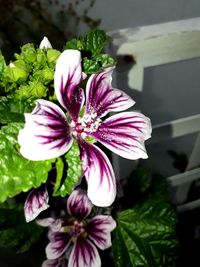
[157, 44]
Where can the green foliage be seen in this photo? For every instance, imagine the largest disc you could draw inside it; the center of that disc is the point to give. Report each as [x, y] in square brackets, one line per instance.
[91, 47]
[17, 173]
[30, 75]
[30, 91]
[2, 66]
[12, 110]
[146, 232]
[14, 231]
[145, 236]
[67, 177]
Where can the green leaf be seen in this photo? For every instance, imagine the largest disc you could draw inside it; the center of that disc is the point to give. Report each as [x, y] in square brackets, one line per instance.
[95, 41]
[2, 66]
[31, 91]
[41, 59]
[91, 47]
[67, 176]
[17, 72]
[12, 110]
[17, 173]
[44, 75]
[77, 44]
[28, 53]
[52, 55]
[14, 231]
[105, 60]
[91, 66]
[146, 236]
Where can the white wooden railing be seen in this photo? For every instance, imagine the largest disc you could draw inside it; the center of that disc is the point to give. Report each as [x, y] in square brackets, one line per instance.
[155, 45]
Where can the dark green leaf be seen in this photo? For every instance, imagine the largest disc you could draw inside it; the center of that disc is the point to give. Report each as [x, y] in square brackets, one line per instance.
[14, 231]
[12, 110]
[91, 47]
[67, 176]
[17, 173]
[95, 41]
[77, 44]
[146, 236]
[105, 60]
[91, 66]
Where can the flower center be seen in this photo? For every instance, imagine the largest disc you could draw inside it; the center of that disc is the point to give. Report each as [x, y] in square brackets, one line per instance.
[89, 123]
[78, 229]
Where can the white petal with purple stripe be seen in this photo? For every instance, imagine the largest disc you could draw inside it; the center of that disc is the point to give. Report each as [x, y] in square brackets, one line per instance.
[84, 254]
[36, 202]
[101, 98]
[78, 204]
[99, 175]
[68, 75]
[99, 228]
[124, 134]
[46, 134]
[54, 224]
[59, 243]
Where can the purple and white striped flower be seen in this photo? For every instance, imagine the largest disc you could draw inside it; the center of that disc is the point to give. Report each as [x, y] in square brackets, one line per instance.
[80, 236]
[36, 201]
[49, 132]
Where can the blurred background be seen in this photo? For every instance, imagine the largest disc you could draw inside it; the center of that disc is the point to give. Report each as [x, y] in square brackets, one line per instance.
[170, 91]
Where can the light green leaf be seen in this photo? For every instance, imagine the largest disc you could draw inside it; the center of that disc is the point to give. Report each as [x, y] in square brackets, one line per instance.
[17, 72]
[67, 176]
[17, 173]
[28, 53]
[44, 75]
[146, 236]
[2, 66]
[31, 91]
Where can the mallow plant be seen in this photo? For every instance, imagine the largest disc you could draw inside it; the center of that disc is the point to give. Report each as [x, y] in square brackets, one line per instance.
[61, 117]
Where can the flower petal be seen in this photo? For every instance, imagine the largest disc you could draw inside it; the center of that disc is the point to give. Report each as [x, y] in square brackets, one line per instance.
[101, 98]
[61, 262]
[68, 75]
[124, 134]
[51, 263]
[78, 204]
[54, 224]
[36, 201]
[99, 175]
[46, 134]
[99, 228]
[59, 243]
[84, 254]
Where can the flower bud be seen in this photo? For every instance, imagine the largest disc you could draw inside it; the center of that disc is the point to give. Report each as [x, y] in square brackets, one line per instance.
[17, 71]
[28, 53]
[45, 43]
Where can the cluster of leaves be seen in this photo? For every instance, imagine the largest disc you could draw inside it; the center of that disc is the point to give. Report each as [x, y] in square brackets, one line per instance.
[146, 232]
